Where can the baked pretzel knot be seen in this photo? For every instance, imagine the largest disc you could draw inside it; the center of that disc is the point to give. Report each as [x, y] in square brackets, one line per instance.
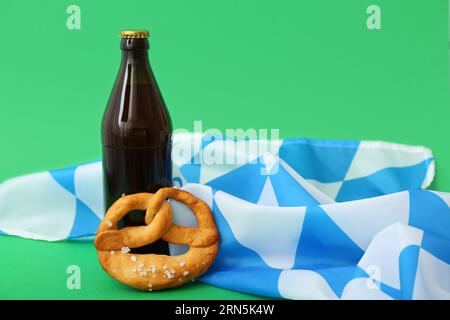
[153, 271]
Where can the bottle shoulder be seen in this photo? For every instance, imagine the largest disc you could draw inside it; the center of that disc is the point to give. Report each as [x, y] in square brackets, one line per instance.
[138, 118]
[136, 114]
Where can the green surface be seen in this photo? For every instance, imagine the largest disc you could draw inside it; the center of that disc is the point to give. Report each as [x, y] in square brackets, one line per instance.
[308, 68]
[38, 270]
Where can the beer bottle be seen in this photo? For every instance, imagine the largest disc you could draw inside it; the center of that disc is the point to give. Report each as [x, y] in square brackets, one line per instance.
[136, 133]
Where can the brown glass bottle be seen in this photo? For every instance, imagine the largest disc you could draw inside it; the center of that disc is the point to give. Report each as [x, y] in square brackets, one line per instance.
[136, 133]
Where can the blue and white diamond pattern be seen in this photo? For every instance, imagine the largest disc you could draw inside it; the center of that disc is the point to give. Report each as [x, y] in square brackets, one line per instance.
[53, 205]
[298, 218]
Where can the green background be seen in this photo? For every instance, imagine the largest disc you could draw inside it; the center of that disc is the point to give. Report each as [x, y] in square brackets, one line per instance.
[309, 68]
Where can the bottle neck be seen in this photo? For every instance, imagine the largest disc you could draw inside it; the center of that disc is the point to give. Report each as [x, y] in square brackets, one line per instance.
[138, 58]
[135, 67]
[135, 52]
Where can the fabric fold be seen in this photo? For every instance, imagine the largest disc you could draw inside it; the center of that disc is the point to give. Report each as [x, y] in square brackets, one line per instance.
[298, 218]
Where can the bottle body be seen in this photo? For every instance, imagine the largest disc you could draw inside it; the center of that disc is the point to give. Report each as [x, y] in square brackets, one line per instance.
[136, 136]
[134, 170]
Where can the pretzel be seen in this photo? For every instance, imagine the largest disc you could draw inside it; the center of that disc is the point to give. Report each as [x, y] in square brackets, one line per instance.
[152, 271]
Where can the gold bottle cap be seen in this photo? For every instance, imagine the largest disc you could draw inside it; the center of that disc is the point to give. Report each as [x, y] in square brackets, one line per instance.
[134, 34]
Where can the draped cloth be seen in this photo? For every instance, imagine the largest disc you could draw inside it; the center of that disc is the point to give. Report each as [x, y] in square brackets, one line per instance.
[298, 218]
